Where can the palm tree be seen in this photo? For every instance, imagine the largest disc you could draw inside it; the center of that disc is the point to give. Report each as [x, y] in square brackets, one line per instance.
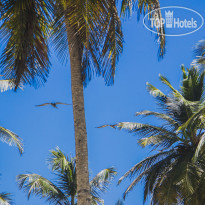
[64, 189]
[89, 30]
[174, 174]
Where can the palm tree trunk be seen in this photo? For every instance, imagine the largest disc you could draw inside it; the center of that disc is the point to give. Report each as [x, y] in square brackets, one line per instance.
[83, 186]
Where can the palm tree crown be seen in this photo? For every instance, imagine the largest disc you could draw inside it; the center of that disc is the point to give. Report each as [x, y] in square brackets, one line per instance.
[174, 174]
[64, 189]
[28, 25]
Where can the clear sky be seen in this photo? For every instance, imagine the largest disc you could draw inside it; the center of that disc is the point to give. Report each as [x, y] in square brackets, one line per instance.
[44, 128]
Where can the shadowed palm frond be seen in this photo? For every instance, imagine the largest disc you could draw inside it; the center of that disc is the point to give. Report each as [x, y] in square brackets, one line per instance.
[96, 28]
[112, 44]
[11, 139]
[24, 32]
[145, 164]
[152, 7]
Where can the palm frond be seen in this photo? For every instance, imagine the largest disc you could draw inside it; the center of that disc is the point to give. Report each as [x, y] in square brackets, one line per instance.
[6, 85]
[193, 84]
[40, 186]
[100, 183]
[145, 164]
[199, 148]
[176, 93]
[195, 118]
[157, 141]
[113, 43]
[161, 116]
[5, 199]
[145, 130]
[119, 202]
[58, 160]
[200, 52]
[150, 173]
[11, 139]
[153, 8]
[157, 94]
[96, 28]
[24, 30]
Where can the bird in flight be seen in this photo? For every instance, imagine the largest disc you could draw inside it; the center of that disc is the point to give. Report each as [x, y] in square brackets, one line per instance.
[53, 104]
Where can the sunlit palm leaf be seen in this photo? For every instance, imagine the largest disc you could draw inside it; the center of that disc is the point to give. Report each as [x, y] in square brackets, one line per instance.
[39, 186]
[142, 129]
[58, 160]
[5, 199]
[100, 183]
[158, 115]
[11, 139]
[6, 85]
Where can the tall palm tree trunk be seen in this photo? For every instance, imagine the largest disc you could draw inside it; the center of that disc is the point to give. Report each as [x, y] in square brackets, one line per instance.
[83, 186]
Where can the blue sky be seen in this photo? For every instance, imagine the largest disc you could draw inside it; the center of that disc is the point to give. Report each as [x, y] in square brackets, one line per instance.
[42, 129]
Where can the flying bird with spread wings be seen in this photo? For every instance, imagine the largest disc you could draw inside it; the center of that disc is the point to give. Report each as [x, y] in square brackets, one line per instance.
[53, 104]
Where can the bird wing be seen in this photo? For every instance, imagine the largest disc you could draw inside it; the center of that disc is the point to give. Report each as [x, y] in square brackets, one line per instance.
[43, 104]
[60, 103]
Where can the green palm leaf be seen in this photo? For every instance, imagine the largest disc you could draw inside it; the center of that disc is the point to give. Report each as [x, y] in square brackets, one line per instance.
[199, 148]
[58, 160]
